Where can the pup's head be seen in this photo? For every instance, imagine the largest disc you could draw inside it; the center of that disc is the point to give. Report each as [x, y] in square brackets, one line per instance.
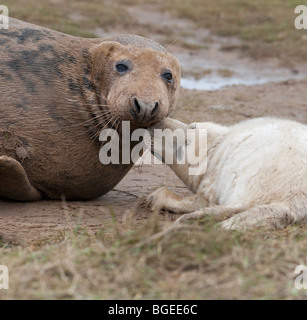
[182, 147]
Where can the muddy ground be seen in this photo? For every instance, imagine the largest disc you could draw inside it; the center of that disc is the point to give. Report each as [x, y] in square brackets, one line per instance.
[281, 96]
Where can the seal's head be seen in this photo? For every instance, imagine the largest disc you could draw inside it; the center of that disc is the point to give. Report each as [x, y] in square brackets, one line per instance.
[137, 78]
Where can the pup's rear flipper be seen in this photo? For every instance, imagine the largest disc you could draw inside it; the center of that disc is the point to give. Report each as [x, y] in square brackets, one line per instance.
[14, 183]
[271, 216]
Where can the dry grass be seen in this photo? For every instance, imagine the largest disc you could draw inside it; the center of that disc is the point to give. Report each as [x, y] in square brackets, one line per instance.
[266, 28]
[196, 73]
[79, 18]
[195, 261]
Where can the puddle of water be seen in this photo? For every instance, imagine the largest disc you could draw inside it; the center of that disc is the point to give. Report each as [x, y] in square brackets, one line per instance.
[242, 71]
[215, 82]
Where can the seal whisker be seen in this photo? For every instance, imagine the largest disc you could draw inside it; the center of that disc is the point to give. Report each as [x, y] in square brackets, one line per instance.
[101, 115]
[106, 126]
[166, 49]
[109, 124]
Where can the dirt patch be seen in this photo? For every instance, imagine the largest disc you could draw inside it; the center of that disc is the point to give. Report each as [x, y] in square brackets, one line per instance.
[46, 221]
[286, 99]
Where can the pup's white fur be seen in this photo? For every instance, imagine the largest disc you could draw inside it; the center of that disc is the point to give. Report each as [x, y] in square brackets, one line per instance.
[256, 175]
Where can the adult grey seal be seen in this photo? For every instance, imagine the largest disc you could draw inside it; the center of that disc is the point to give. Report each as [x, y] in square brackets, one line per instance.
[57, 92]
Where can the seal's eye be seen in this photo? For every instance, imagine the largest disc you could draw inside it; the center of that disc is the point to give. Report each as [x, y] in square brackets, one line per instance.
[167, 76]
[121, 67]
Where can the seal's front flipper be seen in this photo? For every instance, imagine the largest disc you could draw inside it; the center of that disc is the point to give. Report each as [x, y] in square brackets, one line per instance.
[14, 183]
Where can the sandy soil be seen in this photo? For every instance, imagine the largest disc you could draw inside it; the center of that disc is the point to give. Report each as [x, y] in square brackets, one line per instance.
[25, 223]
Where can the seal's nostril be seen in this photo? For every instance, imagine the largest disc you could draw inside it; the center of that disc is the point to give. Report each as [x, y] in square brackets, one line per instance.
[137, 105]
[155, 109]
[144, 111]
